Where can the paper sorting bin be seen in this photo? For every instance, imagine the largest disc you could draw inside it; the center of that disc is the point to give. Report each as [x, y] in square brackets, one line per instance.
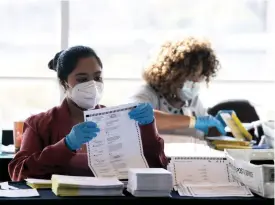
[254, 168]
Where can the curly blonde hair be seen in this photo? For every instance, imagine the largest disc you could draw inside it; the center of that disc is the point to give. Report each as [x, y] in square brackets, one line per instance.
[179, 60]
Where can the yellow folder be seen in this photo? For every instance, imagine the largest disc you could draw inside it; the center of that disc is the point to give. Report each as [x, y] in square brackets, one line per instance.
[230, 146]
[237, 129]
[39, 183]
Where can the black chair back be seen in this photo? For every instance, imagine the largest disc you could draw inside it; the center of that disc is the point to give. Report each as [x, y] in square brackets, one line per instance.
[244, 110]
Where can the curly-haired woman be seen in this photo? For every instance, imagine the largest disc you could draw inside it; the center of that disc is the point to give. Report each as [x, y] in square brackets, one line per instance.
[172, 87]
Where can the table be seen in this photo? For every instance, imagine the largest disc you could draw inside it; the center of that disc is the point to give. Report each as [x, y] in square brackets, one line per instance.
[47, 197]
[4, 161]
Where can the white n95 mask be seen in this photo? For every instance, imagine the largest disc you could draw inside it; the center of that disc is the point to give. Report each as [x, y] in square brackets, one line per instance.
[87, 95]
[189, 90]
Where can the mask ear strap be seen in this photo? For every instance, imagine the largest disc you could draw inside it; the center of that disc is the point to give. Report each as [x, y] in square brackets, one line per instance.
[67, 87]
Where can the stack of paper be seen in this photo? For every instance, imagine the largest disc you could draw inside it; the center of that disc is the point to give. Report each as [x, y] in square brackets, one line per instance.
[150, 182]
[86, 186]
[225, 142]
[19, 193]
[8, 149]
[39, 183]
[206, 189]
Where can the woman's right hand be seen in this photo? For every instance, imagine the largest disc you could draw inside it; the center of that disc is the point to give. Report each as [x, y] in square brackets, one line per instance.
[81, 134]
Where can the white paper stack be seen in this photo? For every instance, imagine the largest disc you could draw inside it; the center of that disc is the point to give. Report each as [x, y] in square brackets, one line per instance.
[150, 182]
[205, 189]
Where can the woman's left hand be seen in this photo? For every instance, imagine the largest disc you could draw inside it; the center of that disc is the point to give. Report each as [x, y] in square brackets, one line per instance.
[143, 114]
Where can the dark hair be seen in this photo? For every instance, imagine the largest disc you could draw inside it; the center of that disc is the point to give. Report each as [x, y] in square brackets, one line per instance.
[53, 63]
[64, 62]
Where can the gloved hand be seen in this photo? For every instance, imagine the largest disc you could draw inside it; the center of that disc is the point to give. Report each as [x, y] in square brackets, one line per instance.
[205, 122]
[143, 114]
[218, 116]
[80, 134]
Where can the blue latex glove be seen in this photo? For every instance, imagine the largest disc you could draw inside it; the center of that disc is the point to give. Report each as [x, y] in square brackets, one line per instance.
[205, 122]
[218, 116]
[143, 114]
[80, 134]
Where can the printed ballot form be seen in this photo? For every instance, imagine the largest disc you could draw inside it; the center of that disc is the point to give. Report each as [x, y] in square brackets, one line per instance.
[118, 145]
[204, 172]
[200, 169]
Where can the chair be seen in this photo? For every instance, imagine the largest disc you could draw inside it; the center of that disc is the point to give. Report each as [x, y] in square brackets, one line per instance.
[245, 112]
[7, 137]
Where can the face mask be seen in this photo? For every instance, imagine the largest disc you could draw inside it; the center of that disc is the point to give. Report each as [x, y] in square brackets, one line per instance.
[86, 95]
[189, 90]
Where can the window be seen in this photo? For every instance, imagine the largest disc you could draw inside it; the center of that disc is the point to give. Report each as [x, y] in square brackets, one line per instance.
[124, 32]
[29, 38]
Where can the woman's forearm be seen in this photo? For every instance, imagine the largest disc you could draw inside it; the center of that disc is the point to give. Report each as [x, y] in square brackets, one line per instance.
[166, 121]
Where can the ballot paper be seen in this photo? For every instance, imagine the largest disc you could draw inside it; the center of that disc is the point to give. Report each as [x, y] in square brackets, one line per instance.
[19, 193]
[118, 145]
[150, 179]
[200, 169]
[63, 185]
[213, 190]
[6, 186]
[150, 182]
[8, 149]
[39, 183]
[148, 193]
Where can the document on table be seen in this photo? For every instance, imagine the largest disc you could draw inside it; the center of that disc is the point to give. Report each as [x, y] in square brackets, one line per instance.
[199, 169]
[213, 190]
[118, 145]
[19, 193]
[6, 186]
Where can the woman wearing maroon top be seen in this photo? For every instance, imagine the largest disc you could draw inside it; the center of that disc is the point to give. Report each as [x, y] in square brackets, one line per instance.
[53, 141]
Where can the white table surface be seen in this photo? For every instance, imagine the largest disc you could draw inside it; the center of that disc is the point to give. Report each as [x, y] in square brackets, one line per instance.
[177, 146]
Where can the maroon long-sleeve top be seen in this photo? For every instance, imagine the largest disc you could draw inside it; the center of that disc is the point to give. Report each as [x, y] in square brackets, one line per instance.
[43, 151]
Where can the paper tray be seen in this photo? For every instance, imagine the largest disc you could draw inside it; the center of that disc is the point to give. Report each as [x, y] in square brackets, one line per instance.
[259, 178]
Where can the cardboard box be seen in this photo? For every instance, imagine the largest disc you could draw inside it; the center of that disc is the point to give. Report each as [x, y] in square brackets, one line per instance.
[258, 177]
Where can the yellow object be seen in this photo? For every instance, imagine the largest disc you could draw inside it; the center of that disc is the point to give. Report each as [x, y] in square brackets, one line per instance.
[245, 133]
[39, 186]
[60, 189]
[237, 143]
[229, 146]
[237, 129]
[63, 185]
[192, 122]
[39, 183]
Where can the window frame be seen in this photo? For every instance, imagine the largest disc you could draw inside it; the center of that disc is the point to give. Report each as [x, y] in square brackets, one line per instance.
[269, 47]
